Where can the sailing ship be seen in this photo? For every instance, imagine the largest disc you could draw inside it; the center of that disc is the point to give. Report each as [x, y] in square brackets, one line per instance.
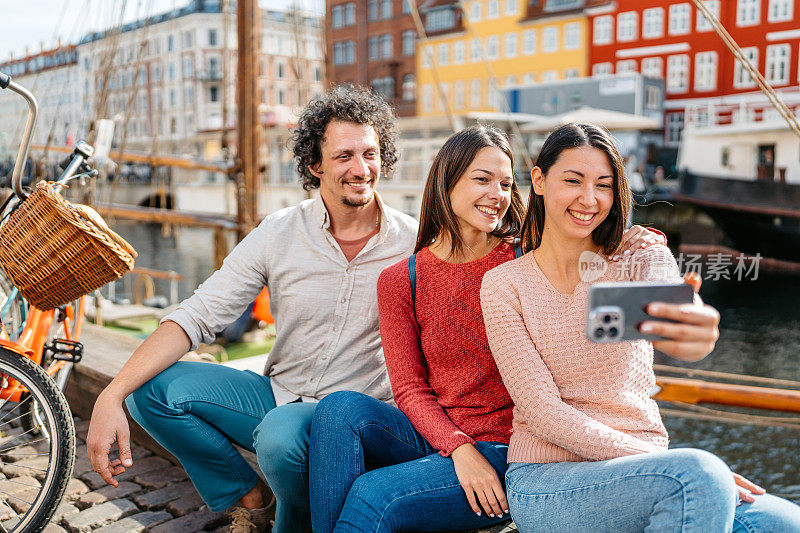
[741, 166]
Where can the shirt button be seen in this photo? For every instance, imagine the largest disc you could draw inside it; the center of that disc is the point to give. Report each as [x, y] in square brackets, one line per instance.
[324, 357]
[313, 379]
[344, 299]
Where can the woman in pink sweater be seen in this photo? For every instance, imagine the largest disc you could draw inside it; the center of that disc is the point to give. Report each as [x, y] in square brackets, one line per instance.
[589, 450]
[438, 462]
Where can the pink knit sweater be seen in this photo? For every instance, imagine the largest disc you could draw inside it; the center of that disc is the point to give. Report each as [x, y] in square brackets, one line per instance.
[574, 400]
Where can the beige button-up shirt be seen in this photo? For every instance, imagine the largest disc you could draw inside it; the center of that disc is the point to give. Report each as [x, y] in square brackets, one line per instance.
[325, 308]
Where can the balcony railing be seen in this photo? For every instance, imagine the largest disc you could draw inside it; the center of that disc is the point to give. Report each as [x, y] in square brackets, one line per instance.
[209, 75]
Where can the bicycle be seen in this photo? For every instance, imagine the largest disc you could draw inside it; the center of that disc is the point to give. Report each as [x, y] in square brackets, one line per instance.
[37, 433]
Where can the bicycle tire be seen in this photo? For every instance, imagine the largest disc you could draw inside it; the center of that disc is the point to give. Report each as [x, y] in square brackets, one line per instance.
[56, 438]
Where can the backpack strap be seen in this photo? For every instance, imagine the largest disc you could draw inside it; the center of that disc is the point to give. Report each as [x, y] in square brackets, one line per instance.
[518, 251]
[412, 275]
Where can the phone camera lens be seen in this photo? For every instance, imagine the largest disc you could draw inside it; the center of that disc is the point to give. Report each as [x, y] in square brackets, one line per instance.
[599, 333]
[612, 332]
[606, 319]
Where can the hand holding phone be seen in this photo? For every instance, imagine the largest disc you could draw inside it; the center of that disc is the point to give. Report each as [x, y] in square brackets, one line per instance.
[616, 310]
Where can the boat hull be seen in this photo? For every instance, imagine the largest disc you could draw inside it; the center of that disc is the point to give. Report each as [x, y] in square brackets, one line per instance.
[757, 216]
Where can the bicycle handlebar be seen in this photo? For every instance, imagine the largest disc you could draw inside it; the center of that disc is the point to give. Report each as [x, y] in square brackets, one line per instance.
[33, 112]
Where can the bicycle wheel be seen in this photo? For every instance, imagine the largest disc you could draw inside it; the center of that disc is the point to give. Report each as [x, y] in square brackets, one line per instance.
[37, 463]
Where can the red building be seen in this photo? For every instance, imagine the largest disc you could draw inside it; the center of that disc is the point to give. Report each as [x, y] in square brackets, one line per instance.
[672, 39]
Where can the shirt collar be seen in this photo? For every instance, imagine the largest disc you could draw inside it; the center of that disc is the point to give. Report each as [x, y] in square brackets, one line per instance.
[323, 217]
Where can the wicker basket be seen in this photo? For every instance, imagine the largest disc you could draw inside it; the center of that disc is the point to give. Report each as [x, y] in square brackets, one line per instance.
[55, 251]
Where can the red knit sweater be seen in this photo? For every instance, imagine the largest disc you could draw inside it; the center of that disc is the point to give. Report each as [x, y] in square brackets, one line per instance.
[452, 393]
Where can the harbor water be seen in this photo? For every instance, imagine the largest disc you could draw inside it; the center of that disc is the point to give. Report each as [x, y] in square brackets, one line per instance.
[759, 336]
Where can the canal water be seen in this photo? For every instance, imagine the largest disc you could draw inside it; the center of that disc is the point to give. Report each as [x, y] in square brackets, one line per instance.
[759, 336]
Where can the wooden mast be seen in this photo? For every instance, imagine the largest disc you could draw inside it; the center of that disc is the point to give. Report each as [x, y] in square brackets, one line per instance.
[248, 18]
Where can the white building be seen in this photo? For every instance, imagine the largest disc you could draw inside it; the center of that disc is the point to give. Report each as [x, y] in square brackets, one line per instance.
[161, 80]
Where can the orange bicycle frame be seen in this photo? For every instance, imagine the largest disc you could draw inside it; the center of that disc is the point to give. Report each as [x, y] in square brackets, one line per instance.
[32, 340]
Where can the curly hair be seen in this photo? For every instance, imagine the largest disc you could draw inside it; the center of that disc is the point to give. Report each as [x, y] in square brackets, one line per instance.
[352, 104]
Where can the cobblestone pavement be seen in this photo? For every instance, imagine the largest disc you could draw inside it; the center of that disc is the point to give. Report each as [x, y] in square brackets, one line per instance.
[154, 496]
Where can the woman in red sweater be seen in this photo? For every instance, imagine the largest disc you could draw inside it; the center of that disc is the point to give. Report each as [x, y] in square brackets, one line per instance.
[437, 462]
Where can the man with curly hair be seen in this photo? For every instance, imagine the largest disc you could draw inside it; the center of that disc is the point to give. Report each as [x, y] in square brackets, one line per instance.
[320, 260]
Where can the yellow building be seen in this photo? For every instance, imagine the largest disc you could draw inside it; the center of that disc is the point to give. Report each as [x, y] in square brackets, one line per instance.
[473, 41]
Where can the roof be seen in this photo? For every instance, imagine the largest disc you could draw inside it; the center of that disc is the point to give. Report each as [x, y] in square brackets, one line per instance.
[611, 120]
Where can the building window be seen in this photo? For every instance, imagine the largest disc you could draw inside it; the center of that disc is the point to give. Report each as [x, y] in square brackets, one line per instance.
[386, 10]
[572, 36]
[372, 9]
[387, 46]
[493, 47]
[213, 95]
[170, 43]
[212, 37]
[444, 54]
[511, 45]
[603, 29]
[529, 42]
[705, 71]
[458, 52]
[703, 24]
[475, 50]
[780, 10]
[409, 87]
[511, 7]
[550, 38]
[493, 10]
[570, 73]
[777, 69]
[748, 12]
[677, 73]
[679, 19]
[627, 26]
[350, 14]
[440, 19]
[475, 94]
[188, 67]
[475, 11]
[528, 78]
[281, 71]
[602, 69]
[549, 76]
[427, 98]
[188, 39]
[626, 65]
[741, 76]
[653, 20]
[409, 42]
[337, 16]
[344, 53]
[373, 48]
[384, 87]
[459, 95]
[653, 67]
[427, 56]
[674, 128]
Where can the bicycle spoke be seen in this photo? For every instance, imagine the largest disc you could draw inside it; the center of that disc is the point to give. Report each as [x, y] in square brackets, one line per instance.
[18, 417]
[9, 394]
[17, 465]
[4, 450]
[24, 485]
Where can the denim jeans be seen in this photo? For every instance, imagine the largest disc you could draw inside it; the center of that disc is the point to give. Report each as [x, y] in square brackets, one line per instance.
[680, 490]
[370, 470]
[198, 410]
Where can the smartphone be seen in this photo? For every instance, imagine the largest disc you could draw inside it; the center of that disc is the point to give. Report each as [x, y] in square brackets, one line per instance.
[616, 310]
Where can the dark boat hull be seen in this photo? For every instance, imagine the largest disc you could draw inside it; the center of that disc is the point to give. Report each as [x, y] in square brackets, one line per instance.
[757, 216]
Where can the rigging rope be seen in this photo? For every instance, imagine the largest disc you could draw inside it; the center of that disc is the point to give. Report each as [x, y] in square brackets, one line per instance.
[726, 375]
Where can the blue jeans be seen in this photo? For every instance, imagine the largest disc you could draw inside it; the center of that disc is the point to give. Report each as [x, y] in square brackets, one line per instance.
[198, 410]
[681, 490]
[370, 470]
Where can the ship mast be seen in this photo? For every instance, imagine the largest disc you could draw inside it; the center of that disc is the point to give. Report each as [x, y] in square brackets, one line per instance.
[247, 173]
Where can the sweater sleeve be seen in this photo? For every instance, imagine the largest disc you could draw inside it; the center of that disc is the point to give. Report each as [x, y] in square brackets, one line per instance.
[406, 365]
[532, 387]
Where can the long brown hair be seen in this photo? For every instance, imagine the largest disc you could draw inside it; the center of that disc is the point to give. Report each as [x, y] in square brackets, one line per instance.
[608, 234]
[437, 217]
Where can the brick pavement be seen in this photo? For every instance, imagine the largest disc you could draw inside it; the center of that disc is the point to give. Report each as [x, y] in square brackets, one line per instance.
[154, 496]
